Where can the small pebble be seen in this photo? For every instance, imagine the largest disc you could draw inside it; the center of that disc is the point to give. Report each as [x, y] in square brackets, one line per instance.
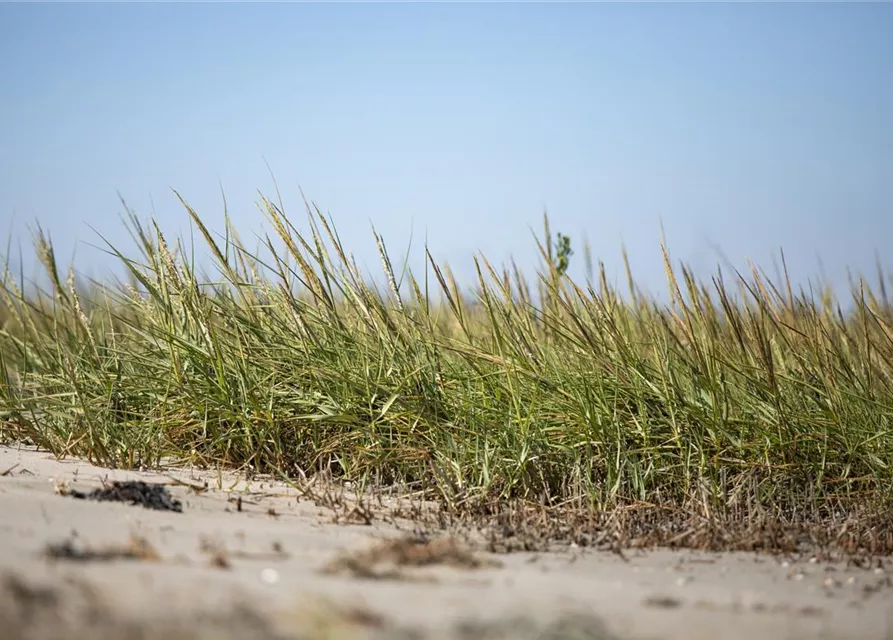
[270, 576]
[851, 580]
[684, 580]
[878, 571]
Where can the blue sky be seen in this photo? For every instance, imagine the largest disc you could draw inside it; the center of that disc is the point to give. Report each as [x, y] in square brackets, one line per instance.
[746, 126]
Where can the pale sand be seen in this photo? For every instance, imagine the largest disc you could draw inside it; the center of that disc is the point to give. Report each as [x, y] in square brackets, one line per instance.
[270, 594]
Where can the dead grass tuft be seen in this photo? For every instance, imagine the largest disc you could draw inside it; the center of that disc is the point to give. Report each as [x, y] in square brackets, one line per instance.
[72, 549]
[386, 559]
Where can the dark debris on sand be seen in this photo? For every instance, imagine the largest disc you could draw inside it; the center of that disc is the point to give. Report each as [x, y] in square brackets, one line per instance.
[135, 492]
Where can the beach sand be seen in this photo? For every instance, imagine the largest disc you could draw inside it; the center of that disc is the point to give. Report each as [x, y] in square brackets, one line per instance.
[277, 565]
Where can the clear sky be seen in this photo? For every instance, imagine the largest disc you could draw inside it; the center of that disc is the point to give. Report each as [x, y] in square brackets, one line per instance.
[745, 126]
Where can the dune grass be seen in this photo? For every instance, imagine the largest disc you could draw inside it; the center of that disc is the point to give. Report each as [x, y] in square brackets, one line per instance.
[738, 390]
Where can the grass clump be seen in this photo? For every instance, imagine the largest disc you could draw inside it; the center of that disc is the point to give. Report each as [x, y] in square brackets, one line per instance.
[731, 397]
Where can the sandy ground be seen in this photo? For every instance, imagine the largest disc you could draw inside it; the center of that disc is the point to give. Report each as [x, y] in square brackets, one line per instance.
[217, 572]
